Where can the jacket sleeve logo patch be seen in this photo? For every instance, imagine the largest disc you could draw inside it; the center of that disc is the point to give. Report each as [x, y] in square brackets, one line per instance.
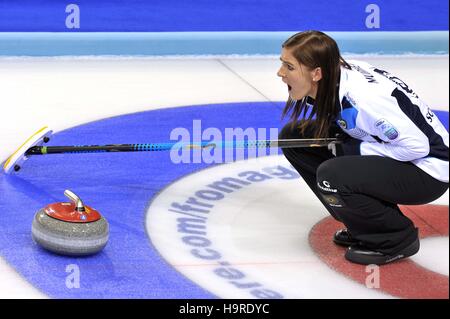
[342, 123]
[387, 129]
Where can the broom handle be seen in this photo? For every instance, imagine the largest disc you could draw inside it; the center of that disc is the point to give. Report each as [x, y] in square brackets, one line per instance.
[284, 143]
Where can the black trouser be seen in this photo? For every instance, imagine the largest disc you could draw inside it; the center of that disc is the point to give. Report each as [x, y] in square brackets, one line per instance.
[363, 191]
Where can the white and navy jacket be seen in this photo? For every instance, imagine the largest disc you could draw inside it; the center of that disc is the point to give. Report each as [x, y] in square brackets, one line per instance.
[391, 120]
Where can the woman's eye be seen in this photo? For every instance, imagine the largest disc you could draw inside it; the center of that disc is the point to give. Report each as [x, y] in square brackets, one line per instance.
[290, 68]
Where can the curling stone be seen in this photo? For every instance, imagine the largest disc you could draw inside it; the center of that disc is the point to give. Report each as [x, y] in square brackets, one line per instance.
[70, 228]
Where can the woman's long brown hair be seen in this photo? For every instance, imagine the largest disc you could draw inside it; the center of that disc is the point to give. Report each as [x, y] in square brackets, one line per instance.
[315, 49]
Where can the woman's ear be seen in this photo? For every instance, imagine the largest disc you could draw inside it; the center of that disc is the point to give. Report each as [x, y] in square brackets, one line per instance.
[316, 74]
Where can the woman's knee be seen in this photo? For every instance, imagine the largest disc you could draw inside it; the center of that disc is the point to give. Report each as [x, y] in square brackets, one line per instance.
[329, 175]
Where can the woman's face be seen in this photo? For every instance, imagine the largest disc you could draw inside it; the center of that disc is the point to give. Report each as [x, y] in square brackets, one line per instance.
[300, 80]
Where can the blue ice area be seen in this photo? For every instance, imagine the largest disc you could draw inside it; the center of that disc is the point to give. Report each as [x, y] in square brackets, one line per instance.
[120, 186]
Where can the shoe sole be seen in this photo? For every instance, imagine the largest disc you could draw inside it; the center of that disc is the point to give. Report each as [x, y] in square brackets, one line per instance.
[382, 260]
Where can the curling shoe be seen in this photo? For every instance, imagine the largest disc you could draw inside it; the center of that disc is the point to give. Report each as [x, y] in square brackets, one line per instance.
[364, 256]
[343, 238]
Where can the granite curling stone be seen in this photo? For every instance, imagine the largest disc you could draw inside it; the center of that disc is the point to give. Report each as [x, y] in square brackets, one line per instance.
[70, 228]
